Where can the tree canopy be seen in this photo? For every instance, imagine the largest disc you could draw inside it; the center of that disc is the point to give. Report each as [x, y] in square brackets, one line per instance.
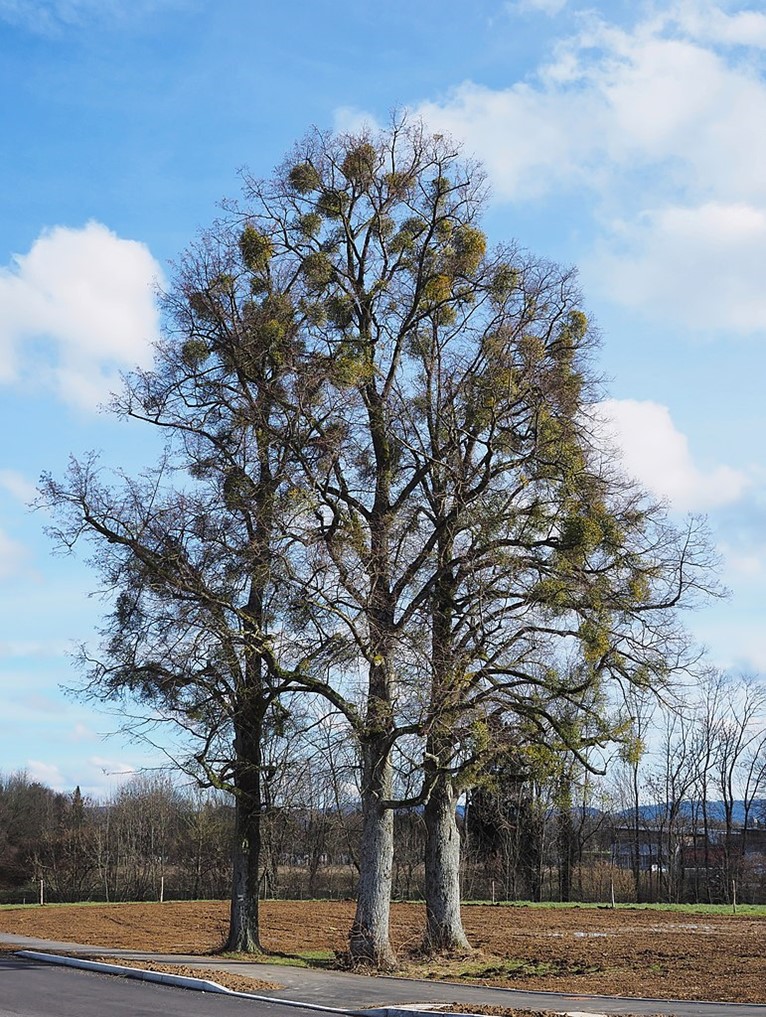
[384, 485]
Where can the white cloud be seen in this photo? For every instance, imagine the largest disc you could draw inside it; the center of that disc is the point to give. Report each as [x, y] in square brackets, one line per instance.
[46, 773]
[653, 128]
[702, 266]
[96, 777]
[707, 20]
[657, 454]
[351, 120]
[519, 133]
[15, 484]
[77, 307]
[667, 94]
[112, 767]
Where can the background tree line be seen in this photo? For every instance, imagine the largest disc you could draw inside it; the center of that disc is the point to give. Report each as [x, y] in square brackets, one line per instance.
[541, 827]
[123, 847]
[385, 503]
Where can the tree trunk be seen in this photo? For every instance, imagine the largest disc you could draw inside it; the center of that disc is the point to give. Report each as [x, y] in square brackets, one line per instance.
[635, 855]
[368, 939]
[244, 931]
[531, 848]
[566, 852]
[444, 927]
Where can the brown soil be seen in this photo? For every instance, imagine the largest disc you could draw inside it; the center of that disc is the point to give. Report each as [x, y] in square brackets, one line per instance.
[239, 983]
[494, 1011]
[504, 1011]
[621, 952]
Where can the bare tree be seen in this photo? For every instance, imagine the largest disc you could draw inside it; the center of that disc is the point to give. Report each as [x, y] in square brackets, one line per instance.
[739, 766]
[190, 553]
[377, 441]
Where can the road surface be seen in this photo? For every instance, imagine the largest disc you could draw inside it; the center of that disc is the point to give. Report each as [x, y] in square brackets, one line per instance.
[44, 990]
[325, 988]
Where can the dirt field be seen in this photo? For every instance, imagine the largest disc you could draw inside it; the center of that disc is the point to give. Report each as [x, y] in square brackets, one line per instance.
[238, 983]
[623, 952]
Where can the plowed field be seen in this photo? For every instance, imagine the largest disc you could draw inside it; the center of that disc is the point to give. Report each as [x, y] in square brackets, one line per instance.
[623, 952]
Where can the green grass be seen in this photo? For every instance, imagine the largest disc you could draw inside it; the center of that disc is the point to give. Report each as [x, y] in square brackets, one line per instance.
[478, 969]
[301, 959]
[78, 904]
[98, 904]
[749, 910]
[689, 909]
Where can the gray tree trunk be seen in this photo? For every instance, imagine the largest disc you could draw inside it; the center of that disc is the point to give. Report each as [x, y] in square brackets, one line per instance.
[243, 925]
[368, 940]
[444, 926]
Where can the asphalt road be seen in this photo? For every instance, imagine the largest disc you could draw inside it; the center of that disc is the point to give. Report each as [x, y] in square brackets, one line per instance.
[43, 990]
[325, 988]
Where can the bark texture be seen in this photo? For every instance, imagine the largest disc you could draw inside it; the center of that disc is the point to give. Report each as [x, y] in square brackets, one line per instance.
[244, 934]
[244, 930]
[444, 927]
[368, 939]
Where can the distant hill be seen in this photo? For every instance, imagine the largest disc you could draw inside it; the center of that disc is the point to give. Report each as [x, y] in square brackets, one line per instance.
[716, 812]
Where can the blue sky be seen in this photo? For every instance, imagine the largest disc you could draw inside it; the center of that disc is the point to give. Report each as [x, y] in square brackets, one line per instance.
[625, 138]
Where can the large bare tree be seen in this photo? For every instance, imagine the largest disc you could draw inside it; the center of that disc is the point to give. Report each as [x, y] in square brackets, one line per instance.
[191, 554]
[377, 441]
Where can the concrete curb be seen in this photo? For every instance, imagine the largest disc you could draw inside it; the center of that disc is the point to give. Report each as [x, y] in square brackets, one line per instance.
[179, 981]
[418, 1010]
[421, 1009]
[201, 984]
[204, 985]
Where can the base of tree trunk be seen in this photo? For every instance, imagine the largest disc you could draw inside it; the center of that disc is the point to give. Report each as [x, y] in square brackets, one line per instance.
[444, 931]
[365, 951]
[247, 945]
[369, 942]
[456, 953]
[446, 943]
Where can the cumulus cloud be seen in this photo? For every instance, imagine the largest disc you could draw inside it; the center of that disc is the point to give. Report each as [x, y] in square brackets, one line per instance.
[353, 120]
[520, 134]
[96, 777]
[663, 94]
[653, 128]
[657, 454]
[76, 308]
[707, 20]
